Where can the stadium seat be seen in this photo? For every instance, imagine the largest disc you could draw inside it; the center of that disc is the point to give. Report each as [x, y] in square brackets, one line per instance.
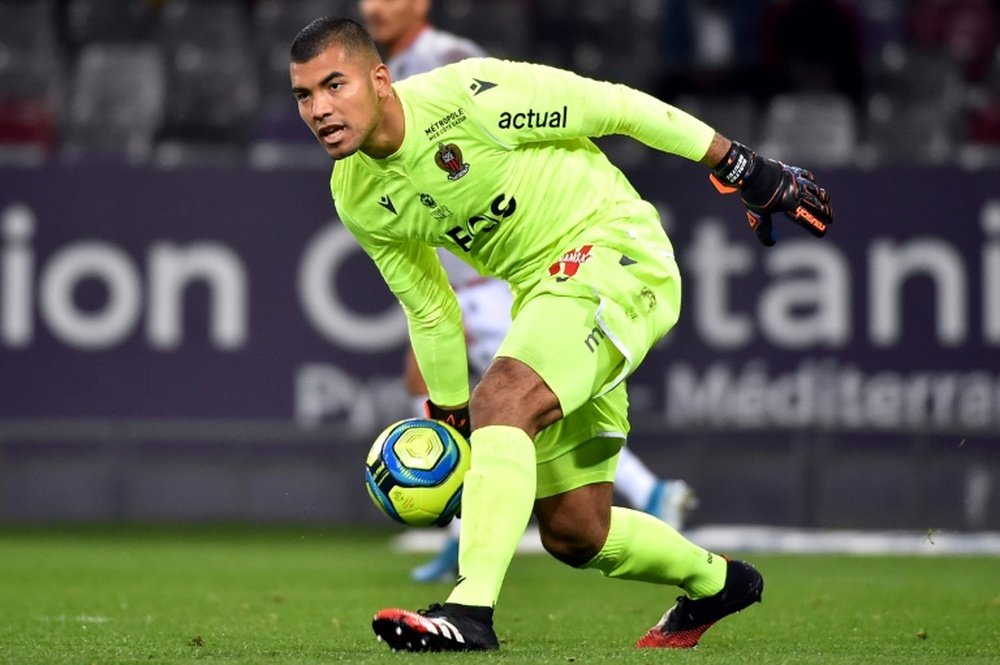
[31, 81]
[211, 77]
[29, 52]
[502, 27]
[984, 107]
[908, 73]
[118, 95]
[810, 127]
[905, 131]
[27, 130]
[88, 21]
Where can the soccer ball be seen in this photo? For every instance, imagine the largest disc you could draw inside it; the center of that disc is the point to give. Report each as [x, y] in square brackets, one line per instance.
[415, 469]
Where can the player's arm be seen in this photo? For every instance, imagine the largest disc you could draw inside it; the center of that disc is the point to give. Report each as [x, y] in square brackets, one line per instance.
[555, 104]
[532, 103]
[414, 274]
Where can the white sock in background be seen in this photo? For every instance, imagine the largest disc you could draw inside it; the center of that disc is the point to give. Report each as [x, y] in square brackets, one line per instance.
[634, 480]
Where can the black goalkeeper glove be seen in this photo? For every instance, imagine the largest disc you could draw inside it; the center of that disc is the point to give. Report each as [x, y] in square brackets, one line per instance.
[769, 186]
[457, 418]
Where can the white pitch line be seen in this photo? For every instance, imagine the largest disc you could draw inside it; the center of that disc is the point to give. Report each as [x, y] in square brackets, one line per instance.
[771, 539]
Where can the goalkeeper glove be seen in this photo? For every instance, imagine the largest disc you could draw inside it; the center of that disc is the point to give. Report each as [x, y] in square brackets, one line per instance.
[457, 417]
[769, 186]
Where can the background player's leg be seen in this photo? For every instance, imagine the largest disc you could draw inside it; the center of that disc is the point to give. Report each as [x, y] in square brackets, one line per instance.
[444, 565]
[669, 499]
[486, 317]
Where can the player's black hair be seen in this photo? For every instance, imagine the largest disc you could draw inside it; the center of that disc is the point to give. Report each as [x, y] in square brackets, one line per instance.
[323, 32]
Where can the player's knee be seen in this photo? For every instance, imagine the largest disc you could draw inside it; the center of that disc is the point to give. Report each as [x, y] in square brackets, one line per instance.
[574, 525]
[572, 546]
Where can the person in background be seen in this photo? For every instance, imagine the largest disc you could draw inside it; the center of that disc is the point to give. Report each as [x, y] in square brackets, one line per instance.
[411, 45]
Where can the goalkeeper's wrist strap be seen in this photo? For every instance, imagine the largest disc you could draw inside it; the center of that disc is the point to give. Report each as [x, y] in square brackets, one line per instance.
[756, 177]
[736, 166]
[457, 418]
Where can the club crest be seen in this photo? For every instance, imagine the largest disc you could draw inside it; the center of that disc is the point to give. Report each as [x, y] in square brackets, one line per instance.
[449, 159]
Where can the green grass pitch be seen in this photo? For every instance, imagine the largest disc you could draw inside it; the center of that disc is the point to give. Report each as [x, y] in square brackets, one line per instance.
[306, 595]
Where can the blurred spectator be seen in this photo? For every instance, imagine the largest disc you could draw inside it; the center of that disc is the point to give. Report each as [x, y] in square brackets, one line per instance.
[815, 46]
[711, 46]
[968, 31]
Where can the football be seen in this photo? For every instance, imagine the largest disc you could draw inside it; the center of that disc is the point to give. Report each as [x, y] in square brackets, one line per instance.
[414, 471]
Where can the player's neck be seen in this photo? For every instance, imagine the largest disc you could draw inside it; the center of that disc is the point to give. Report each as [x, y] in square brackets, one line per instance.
[388, 137]
[405, 40]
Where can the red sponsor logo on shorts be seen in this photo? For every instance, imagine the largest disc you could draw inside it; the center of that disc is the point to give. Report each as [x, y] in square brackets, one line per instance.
[569, 263]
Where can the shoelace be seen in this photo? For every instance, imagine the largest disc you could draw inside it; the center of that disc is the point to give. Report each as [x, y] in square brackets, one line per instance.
[433, 607]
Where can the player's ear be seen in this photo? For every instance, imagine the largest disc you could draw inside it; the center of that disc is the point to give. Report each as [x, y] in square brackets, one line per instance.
[382, 80]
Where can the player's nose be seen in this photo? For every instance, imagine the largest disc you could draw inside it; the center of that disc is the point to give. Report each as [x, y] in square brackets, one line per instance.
[321, 107]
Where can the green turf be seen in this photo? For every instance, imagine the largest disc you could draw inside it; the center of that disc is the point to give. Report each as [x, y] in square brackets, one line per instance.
[307, 595]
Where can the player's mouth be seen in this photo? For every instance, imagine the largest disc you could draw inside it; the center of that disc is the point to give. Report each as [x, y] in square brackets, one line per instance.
[331, 134]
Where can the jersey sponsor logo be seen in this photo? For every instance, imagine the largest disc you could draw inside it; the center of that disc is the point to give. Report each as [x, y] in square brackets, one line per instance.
[500, 209]
[449, 159]
[442, 125]
[438, 212]
[532, 119]
[569, 263]
[386, 203]
[479, 85]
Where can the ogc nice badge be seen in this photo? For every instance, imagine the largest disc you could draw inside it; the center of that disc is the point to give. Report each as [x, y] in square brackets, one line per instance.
[449, 159]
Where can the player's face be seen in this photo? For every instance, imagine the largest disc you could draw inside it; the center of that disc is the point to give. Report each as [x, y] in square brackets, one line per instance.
[339, 98]
[389, 21]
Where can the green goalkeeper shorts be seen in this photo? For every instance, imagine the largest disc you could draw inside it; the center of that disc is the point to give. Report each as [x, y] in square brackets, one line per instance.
[585, 327]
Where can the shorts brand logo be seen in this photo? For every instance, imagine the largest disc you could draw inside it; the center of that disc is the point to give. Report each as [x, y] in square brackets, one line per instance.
[593, 339]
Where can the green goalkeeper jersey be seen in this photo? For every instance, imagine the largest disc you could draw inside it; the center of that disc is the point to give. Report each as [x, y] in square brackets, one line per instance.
[497, 167]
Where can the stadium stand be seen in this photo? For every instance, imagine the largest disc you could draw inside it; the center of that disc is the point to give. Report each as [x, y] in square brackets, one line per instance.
[818, 127]
[29, 54]
[212, 81]
[927, 69]
[117, 99]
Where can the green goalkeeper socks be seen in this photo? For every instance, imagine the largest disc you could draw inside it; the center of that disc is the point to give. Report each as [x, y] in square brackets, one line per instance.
[497, 500]
[641, 547]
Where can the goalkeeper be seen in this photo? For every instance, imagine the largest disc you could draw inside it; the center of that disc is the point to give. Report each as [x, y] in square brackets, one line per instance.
[491, 160]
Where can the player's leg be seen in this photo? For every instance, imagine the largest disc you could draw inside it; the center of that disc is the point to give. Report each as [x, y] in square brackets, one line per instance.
[509, 406]
[669, 499]
[443, 567]
[579, 526]
[637, 301]
[582, 529]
